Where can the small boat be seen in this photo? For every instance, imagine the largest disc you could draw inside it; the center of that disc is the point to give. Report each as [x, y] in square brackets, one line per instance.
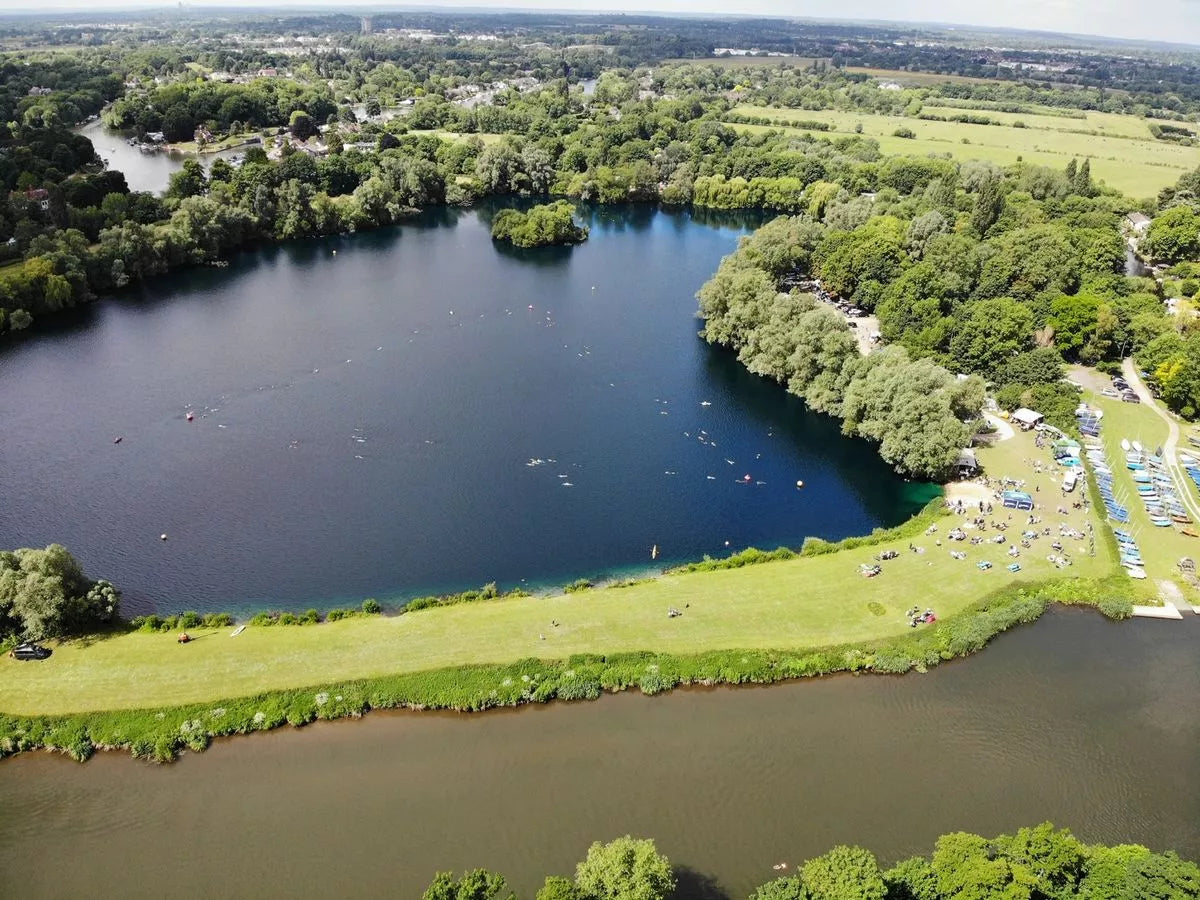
[1137, 447]
[238, 630]
[654, 552]
[191, 416]
[1189, 532]
[118, 439]
[1137, 573]
[1125, 445]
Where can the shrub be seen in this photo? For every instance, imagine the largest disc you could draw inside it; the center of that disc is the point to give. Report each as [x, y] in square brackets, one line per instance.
[580, 584]
[904, 132]
[218, 620]
[262, 618]
[337, 613]
[371, 606]
[286, 619]
[311, 617]
[190, 619]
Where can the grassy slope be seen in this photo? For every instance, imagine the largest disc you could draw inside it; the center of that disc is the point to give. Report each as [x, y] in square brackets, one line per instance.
[796, 604]
[1138, 167]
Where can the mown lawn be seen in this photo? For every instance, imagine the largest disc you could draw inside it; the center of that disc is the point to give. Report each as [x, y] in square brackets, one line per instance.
[794, 604]
[1161, 548]
[1138, 167]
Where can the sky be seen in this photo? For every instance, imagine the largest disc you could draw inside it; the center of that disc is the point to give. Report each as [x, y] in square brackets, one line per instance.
[1161, 20]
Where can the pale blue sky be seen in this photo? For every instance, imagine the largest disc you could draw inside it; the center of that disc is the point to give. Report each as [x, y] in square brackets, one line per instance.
[1165, 20]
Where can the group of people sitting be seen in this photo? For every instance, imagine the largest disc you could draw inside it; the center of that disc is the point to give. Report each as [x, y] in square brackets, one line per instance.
[916, 617]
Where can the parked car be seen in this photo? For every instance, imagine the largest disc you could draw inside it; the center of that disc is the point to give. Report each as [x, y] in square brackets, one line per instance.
[28, 651]
[1109, 393]
[1131, 397]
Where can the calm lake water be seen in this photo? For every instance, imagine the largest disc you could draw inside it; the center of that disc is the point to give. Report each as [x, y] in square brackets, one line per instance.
[143, 171]
[1075, 719]
[366, 409]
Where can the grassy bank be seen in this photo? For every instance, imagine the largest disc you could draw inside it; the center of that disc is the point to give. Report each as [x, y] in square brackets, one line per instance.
[161, 733]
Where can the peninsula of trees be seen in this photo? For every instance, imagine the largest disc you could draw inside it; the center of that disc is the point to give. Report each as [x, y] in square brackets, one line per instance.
[547, 225]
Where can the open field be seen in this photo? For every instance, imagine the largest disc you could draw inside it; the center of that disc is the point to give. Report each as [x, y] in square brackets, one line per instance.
[798, 604]
[920, 79]
[737, 62]
[1120, 158]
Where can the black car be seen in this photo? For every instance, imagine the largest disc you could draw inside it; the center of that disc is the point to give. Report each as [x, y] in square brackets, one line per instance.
[28, 651]
[1131, 397]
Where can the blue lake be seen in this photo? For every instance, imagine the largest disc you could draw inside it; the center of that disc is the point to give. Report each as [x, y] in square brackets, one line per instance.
[367, 409]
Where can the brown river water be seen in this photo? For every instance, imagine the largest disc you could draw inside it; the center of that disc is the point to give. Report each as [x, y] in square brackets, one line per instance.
[1088, 723]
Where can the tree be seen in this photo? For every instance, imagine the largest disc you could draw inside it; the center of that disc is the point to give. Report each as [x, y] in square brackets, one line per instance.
[374, 108]
[790, 887]
[989, 203]
[479, 884]
[844, 873]
[301, 125]
[44, 594]
[189, 181]
[993, 332]
[625, 869]
[498, 168]
[558, 888]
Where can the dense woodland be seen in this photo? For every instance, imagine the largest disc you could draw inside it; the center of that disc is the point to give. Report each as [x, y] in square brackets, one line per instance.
[1040, 863]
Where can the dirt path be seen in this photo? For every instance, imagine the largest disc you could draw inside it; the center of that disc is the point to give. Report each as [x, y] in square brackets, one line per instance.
[1170, 457]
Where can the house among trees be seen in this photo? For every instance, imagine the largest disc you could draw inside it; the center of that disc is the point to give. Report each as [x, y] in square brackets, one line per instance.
[1027, 418]
[40, 196]
[1138, 223]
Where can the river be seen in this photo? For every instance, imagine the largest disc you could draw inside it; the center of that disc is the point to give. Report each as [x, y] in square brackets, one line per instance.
[1075, 719]
[367, 408]
[143, 171]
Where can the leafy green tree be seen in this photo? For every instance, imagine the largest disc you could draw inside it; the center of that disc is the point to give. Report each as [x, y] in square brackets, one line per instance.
[844, 873]
[1074, 319]
[993, 333]
[479, 884]
[301, 125]
[1173, 235]
[44, 594]
[912, 879]
[790, 887]
[558, 888]
[625, 869]
[189, 181]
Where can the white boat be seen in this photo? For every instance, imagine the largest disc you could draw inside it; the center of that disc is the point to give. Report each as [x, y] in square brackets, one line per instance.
[1134, 572]
[1125, 445]
[1138, 447]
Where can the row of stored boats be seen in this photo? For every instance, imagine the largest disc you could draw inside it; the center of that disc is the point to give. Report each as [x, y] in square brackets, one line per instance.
[1118, 513]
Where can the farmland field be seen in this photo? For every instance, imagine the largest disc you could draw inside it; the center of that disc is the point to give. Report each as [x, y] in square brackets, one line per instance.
[1123, 153]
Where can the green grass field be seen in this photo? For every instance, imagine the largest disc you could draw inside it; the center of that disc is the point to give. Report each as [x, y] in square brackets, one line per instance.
[1123, 153]
[737, 62]
[795, 604]
[1161, 547]
[919, 79]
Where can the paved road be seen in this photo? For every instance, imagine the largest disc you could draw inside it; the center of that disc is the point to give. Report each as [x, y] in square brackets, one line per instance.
[1183, 484]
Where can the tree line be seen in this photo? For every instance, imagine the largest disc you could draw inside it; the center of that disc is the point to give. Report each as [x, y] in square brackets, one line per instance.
[920, 414]
[1039, 863]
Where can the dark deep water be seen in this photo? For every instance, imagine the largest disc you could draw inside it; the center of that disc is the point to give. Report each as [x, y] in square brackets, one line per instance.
[366, 406]
[1084, 722]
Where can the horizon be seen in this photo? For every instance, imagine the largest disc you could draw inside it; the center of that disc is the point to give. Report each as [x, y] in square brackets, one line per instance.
[1166, 22]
